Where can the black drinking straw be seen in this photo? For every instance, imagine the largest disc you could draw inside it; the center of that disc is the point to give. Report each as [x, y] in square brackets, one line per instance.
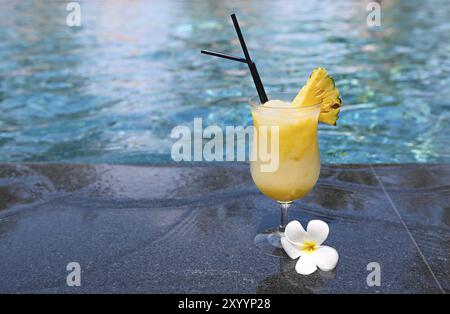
[221, 55]
[251, 65]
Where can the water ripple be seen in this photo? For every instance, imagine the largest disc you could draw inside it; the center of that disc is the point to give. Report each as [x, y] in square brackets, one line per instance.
[112, 90]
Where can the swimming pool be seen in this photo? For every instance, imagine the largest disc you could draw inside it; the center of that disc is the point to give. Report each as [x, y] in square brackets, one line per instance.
[112, 90]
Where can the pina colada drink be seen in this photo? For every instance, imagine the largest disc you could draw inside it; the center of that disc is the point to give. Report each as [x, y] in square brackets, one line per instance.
[286, 129]
[285, 162]
[298, 164]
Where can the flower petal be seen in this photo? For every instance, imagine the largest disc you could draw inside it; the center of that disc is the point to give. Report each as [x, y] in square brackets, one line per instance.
[317, 231]
[295, 233]
[291, 250]
[325, 258]
[306, 265]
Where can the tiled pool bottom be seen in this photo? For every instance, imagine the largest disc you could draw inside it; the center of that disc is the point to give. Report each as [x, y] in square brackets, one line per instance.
[112, 90]
[190, 229]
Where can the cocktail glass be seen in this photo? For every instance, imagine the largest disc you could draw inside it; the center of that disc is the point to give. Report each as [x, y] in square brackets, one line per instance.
[289, 134]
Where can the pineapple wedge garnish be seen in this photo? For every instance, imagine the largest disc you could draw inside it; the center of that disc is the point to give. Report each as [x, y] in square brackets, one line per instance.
[320, 88]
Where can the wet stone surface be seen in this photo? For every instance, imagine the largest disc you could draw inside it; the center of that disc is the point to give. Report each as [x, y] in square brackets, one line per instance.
[190, 229]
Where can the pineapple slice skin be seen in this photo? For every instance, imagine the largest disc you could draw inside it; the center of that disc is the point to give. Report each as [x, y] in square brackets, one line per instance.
[320, 88]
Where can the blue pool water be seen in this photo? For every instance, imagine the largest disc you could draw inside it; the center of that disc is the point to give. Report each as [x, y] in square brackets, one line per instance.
[112, 90]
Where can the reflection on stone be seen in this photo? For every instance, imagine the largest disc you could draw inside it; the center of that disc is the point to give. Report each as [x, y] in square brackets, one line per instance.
[287, 280]
[189, 228]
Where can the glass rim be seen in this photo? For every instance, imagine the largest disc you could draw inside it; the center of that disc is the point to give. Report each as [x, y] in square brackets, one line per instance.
[254, 102]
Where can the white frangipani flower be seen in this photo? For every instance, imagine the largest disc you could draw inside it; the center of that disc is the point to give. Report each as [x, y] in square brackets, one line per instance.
[308, 246]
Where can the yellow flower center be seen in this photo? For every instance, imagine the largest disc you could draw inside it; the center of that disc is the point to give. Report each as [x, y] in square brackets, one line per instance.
[309, 247]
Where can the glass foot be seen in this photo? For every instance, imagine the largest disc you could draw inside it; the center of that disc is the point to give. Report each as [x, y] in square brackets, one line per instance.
[269, 242]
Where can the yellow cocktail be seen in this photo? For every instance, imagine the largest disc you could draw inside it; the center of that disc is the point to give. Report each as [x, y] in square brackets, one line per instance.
[289, 135]
[285, 161]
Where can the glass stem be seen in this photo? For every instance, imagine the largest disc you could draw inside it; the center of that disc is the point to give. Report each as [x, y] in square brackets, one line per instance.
[283, 214]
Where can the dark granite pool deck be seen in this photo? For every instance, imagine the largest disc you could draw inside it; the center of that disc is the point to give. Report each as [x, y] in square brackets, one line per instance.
[190, 229]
